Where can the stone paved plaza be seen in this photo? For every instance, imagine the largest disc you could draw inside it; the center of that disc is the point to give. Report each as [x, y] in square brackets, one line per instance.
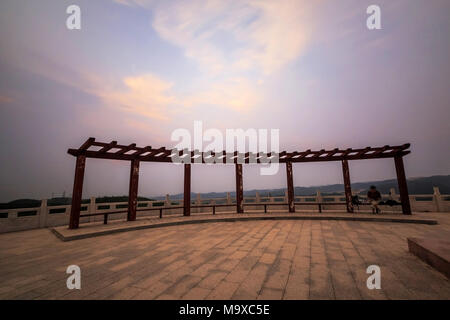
[271, 259]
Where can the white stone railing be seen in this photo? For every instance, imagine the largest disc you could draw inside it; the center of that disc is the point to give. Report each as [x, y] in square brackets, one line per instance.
[50, 216]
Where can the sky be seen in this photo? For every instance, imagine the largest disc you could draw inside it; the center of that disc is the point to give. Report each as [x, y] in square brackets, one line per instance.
[139, 69]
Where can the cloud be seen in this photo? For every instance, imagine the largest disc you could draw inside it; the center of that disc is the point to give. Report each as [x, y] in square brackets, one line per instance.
[5, 99]
[236, 36]
[141, 3]
[236, 43]
[145, 95]
[151, 97]
[235, 93]
[148, 94]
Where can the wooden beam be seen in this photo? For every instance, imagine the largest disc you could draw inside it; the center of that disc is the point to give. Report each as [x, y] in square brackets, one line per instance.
[77, 192]
[347, 186]
[239, 189]
[305, 156]
[290, 185]
[108, 147]
[402, 185]
[143, 150]
[133, 190]
[87, 144]
[164, 158]
[187, 190]
[154, 152]
[126, 149]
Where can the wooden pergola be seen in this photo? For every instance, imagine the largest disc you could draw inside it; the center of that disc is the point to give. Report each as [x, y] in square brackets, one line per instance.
[135, 155]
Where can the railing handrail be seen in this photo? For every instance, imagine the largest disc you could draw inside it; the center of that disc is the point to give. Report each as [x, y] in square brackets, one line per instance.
[59, 206]
[213, 206]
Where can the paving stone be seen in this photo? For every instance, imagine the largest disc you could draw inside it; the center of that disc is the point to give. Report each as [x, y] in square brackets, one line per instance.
[257, 259]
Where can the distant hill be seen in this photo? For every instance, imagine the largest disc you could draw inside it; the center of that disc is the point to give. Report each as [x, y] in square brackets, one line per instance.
[32, 203]
[422, 185]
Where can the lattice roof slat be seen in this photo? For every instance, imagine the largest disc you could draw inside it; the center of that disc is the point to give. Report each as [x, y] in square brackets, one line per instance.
[131, 152]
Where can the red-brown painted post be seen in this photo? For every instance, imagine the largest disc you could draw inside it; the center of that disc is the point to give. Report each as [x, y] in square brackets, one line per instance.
[187, 190]
[77, 192]
[347, 186]
[290, 185]
[239, 189]
[133, 190]
[402, 185]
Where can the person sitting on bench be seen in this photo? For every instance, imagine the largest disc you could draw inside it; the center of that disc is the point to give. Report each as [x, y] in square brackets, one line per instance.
[374, 197]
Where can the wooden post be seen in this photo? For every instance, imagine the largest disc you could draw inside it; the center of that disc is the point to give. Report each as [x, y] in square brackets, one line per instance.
[92, 209]
[187, 190]
[77, 192]
[239, 189]
[290, 185]
[402, 185]
[43, 214]
[133, 190]
[347, 186]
